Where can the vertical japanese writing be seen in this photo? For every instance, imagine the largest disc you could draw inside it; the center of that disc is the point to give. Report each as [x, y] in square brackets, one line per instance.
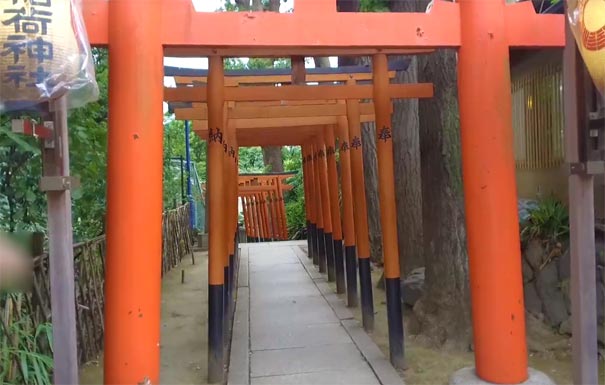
[215, 135]
[385, 134]
[27, 47]
[356, 142]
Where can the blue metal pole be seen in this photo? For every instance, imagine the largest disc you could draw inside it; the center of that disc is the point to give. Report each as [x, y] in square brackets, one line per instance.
[188, 167]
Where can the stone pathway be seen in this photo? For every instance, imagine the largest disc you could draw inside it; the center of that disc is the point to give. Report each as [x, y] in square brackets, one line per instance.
[291, 329]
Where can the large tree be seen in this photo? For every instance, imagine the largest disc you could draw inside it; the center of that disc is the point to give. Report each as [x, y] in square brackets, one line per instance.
[272, 155]
[406, 154]
[406, 151]
[444, 311]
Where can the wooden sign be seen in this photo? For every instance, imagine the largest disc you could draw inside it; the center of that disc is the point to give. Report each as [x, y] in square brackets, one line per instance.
[39, 50]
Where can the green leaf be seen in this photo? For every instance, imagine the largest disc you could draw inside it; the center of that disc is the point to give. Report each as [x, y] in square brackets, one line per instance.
[30, 196]
[24, 366]
[38, 373]
[20, 142]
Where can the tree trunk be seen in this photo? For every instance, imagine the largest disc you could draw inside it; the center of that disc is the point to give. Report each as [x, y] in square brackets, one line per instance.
[444, 310]
[406, 152]
[370, 171]
[272, 156]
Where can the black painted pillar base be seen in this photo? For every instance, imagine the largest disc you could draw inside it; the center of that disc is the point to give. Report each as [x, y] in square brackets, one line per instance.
[226, 300]
[315, 245]
[395, 322]
[330, 256]
[351, 274]
[232, 278]
[215, 335]
[309, 241]
[367, 301]
[322, 251]
[339, 266]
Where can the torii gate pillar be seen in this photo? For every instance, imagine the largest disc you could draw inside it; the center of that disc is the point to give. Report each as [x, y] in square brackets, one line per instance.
[488, 169]
[134, 194]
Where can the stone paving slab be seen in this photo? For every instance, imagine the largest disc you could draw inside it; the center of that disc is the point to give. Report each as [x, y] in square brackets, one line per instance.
[300, 332]
[345, 357]
[332, 377]
[298, 336]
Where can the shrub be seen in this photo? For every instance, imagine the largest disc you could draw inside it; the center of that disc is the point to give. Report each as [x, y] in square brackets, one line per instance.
[549, 220]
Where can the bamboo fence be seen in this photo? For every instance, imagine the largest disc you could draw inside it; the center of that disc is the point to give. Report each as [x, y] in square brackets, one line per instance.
[28, 310]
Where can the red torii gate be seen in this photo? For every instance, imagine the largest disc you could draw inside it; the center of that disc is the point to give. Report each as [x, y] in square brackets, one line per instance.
[139, 33]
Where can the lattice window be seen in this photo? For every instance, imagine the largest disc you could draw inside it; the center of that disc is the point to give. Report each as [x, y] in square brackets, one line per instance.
[538, 118]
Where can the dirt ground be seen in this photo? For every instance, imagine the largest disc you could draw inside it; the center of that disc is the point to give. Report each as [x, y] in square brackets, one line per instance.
[428, 366]
[184, 327]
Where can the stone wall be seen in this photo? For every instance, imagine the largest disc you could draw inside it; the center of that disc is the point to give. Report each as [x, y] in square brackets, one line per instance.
[546, 277]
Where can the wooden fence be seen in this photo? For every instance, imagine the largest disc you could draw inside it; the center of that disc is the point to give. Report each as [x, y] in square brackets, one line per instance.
[32, 309]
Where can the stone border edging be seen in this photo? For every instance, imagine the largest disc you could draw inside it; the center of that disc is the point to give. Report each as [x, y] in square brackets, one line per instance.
[380, 365]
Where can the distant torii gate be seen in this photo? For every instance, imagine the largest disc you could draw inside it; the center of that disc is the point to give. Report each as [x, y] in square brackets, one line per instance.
[139, 33]
[268, 187]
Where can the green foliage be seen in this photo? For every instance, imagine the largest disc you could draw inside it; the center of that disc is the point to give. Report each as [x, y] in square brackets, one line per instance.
[549, 220]
[295, 198]
[25, 352]
[374, 6]
[251, 160]
[88, 156]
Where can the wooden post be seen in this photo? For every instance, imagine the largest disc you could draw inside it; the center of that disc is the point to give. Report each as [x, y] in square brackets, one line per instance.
[388, 208]
[348, 217]
[490, 196]
[276, 212]
[321, 220]
[60, 245]
[252, 208]
[234, 214]
[335, 209]
[308, 200]
[134, 195]
[245, 213]
[216, 211]
[230, 181]
[257, 217]
[265, 217]
[325, 200]
[282, 208]
[581, 220]
[360, 212]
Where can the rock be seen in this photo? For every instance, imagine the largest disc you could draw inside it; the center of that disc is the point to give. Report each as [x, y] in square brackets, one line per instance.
[553, 301]
[565, 327]
[412, 287]
[532, 301]
[564, 262]
[528, 273]
[541, 338]
[600, 302]
[524, 207]
[534, 252]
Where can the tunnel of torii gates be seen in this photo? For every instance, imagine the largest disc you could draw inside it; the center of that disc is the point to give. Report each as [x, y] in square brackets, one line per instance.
[139, 34]
[263, 206]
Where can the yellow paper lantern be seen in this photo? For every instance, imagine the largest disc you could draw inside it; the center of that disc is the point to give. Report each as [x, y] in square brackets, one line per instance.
[587, 21]
[40, 54]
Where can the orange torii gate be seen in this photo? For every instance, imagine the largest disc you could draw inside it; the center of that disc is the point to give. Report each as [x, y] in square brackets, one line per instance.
[257, 123]
[482, 31]
[270, 189]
